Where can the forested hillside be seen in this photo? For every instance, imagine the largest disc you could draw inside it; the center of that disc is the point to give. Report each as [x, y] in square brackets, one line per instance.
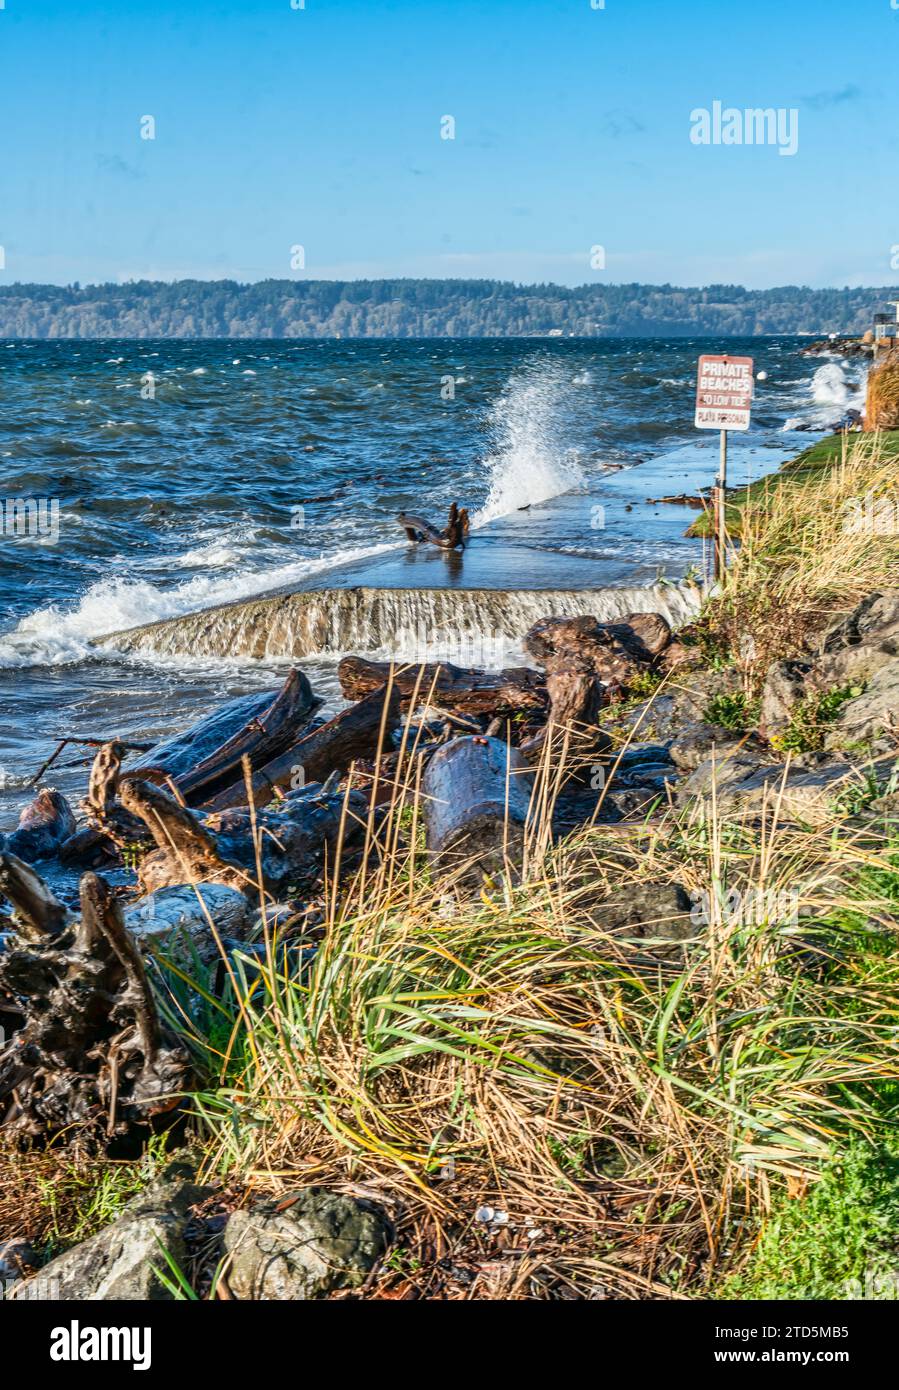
[422, 308]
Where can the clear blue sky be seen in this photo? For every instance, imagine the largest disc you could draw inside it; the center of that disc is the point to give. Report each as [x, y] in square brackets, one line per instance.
[321, 127]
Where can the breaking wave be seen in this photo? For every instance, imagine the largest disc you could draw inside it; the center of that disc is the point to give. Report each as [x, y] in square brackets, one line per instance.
[529, 461]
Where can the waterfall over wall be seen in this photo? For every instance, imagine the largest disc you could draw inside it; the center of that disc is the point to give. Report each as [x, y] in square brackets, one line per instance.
[334, 622]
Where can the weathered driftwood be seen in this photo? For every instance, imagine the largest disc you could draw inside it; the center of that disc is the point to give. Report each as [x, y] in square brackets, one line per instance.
[38, 914]
[43, 826]
[103, 783]
[576, 697]
[89, 743]
[476, 795]
[355, 733]
[295, 835]
[456, 688]
[186, 852]
[91, 1051]
[90, 848]
[614, 652]
[177, 756]
[261, 740]
[220, 848]
[454, 535]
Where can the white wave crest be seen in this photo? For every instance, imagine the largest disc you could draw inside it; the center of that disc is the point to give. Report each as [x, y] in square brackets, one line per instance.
[529, 461]
[54, 636]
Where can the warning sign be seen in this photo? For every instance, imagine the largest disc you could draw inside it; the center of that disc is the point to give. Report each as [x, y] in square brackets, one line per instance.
[723, 393]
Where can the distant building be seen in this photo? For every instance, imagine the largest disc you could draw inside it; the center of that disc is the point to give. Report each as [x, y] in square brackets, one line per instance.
[886, 326]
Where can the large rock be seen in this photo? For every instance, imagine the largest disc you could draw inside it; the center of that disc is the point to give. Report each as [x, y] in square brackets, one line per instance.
[631, 803]
[654, 719]
[648, 915]
[323, 1241]
[858, 644]
[882, 397]
[122, 1261]
[697, 742]
[726, 769]
[785, 686]
[873, 716]
[185, 911]
[804, 794]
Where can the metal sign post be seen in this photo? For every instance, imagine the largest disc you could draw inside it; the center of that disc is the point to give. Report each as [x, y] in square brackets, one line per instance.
[723, 402]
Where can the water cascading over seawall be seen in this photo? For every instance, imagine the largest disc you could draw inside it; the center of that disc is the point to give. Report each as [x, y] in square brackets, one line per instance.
[335, 622]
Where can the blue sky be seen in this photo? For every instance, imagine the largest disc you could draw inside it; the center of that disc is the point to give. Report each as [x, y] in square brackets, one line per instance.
[320, 127]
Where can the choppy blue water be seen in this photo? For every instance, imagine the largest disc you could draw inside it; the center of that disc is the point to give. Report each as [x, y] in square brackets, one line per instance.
[191, 473]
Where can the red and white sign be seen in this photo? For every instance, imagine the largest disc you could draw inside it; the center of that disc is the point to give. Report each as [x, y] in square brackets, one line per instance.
[723, 393]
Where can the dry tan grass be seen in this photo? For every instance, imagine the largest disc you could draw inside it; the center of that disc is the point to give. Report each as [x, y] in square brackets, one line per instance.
[619, 1103]
[806, 553]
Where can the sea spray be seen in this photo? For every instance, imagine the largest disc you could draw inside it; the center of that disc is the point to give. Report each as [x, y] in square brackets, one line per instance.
[830, 386]
[529, 461]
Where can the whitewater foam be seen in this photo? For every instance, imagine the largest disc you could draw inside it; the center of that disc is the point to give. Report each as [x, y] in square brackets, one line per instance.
[54, 636]
[833, 390]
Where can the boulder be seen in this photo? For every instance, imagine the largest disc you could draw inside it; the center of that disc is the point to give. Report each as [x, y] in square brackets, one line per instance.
[784, 687]
[859, 643]
[698, 741]
[646, 914]
[803, 794]
[724, 770]
[640, 755]
[183, 909]
[873, 622]
[322, 1241]
[698, 688]
[873, 716]
[632, 802]
[123, 1261]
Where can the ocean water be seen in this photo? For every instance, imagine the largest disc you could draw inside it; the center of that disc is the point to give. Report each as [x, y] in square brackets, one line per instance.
[188, 474]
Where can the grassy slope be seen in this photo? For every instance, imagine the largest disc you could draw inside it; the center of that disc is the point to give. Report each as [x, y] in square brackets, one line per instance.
[809, 466]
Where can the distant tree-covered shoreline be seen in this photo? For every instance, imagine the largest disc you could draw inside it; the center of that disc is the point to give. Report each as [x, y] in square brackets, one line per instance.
[424, 309]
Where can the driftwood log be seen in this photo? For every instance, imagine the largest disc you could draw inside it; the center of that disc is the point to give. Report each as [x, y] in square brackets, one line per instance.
[354, 734]
[38, 914]
[267, 732]
[186, 852]
[293, 838]
[476, 794]
[178, 755]
[467, 690]
[615, 652]
[92, 1051]
[103, 783]
[44, 825]
[586, 664]
[454, 535]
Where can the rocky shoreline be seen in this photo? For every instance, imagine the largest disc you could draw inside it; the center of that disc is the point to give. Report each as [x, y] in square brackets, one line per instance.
[243, 845]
